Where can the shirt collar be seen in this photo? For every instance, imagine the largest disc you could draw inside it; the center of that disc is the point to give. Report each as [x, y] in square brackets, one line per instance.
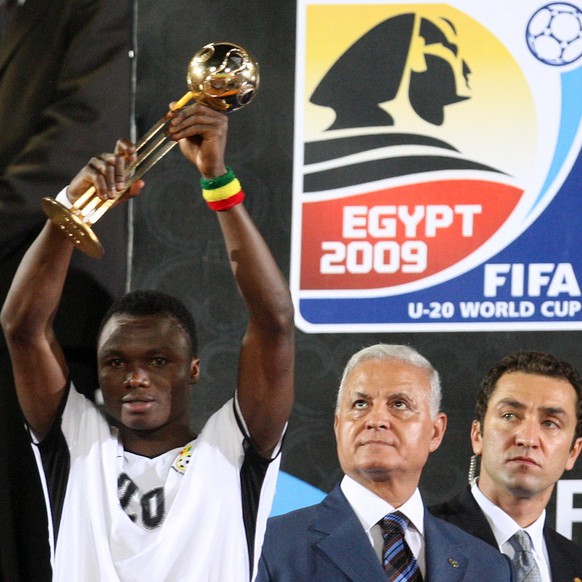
[370, 508]
[504, 526]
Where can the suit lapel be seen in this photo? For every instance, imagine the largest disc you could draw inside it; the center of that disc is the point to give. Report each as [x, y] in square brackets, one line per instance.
[445, 559]
[561, 560]
[342, 538]
[473, 519]
[27, 16]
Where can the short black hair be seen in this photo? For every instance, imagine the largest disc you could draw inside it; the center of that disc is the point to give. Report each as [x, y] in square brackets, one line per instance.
[151, 302]
[530, 362]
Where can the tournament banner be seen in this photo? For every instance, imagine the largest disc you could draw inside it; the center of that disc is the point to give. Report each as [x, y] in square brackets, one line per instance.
[437, 180]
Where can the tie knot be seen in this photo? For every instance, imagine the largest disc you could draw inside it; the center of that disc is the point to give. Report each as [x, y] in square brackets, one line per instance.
[520, 541]
[394, 523]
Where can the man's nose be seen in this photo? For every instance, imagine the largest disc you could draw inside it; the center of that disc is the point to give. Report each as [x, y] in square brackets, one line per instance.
[528, 433]
[136, 377]
[378, 417]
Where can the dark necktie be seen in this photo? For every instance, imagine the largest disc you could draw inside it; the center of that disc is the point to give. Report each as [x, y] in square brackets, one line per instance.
[399, 563]
[524, 562]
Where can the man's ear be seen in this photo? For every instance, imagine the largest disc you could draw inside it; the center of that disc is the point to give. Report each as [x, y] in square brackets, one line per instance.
[574, 453]
[439, 428]
[476, 437]
[194, 370]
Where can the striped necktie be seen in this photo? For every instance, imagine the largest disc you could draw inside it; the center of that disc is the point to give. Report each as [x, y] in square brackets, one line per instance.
[399, 563]
[524, 562]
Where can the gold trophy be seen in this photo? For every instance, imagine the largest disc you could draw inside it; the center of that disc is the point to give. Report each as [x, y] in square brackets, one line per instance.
[221, 75]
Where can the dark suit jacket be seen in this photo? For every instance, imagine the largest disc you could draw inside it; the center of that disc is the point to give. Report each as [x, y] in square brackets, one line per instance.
[65, 80]
[326, 543]
[64, 98]
[464, 512]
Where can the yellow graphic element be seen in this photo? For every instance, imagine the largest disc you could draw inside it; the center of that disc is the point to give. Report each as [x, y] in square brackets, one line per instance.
[494, 109]
[181, 462]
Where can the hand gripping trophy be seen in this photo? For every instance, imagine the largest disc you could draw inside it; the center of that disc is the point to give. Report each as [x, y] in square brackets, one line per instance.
[221, 75]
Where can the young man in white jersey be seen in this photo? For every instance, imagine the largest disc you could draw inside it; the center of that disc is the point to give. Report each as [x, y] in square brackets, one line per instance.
[146, 499]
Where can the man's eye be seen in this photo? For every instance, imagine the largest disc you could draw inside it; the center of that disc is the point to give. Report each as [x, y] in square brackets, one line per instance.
[116, 363]
[508, 415]
[360, 404]
[550, 424]
[159, 362]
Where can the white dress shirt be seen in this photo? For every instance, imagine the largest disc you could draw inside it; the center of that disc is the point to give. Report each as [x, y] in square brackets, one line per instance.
[370, 509]
[504, 527]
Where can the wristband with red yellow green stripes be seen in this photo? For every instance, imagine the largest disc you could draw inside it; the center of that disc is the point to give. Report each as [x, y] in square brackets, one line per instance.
[223, 192]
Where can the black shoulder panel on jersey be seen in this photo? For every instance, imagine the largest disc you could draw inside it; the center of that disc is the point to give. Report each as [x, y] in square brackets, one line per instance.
[252, 475]
[56, 463]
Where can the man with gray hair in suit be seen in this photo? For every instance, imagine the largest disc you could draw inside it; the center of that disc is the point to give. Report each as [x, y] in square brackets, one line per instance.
[374, 524]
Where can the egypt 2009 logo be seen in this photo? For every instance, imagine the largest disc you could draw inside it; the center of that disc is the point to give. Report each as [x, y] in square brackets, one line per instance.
[437, 166]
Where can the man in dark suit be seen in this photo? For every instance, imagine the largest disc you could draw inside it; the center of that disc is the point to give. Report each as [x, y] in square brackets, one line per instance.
[387, 422]
[64, 97]
[528, 431]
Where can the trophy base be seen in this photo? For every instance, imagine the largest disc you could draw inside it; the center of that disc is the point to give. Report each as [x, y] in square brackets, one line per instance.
[73, 227]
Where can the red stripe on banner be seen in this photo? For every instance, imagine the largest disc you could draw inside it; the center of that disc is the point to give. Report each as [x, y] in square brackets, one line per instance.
[399, 235]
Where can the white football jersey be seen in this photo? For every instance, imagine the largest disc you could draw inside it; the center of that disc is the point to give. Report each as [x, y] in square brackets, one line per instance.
[196, 514]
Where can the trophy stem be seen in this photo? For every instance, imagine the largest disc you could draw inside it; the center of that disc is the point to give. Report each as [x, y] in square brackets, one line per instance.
[84, 198]
[157, 127]
[76, 222]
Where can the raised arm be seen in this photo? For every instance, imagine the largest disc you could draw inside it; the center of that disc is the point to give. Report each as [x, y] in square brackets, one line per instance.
[266, 364]
[39, 367]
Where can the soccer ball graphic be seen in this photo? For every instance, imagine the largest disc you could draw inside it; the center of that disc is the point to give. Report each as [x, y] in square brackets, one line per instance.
[554, 34]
